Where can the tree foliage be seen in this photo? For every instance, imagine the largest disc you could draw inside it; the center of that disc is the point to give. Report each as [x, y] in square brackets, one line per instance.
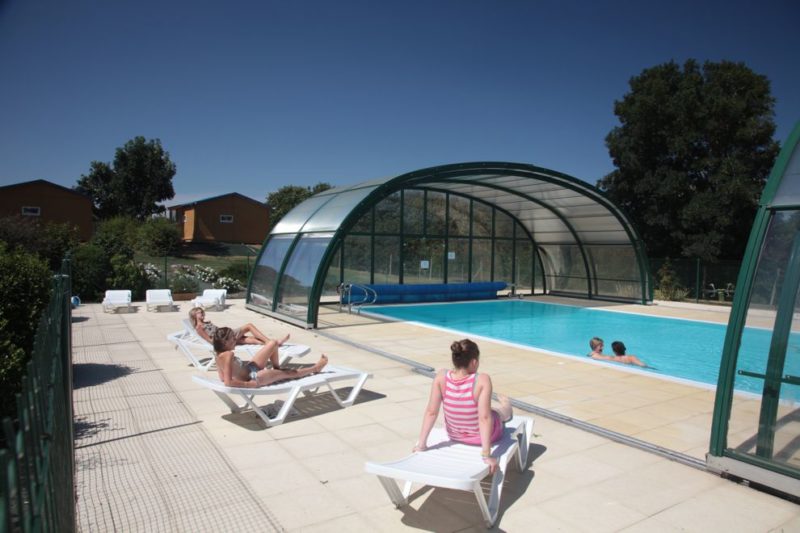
[158, 236]
[693, 152]
[140, 177]
[50, 241]
[286, 198]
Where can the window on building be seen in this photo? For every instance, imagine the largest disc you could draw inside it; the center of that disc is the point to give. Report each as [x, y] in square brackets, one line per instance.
[30, 211]
[226, 219]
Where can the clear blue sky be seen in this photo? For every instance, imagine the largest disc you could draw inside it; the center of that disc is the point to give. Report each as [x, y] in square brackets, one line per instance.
[251, 95]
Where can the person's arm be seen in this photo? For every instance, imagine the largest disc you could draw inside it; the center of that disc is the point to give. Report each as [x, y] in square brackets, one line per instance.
[202, 332]
[431, 412]
[602, 357]
[632, 359]
[485, 422]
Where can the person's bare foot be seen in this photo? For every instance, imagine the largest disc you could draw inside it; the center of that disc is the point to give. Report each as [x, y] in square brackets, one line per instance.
[286, 338]
[323, 360]
[506, 410]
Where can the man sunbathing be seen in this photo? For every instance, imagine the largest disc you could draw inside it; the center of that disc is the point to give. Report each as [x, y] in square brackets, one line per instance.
[234, 372]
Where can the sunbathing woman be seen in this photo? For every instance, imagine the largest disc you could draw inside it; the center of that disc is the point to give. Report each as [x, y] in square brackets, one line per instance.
[234, 372]
[206, 330]
[467, 397]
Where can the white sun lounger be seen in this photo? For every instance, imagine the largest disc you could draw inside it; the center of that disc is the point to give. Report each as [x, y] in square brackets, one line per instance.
[211, 299]
[452, 465]
[115, 299]
[188, 342]
[291, 388]
[155, 298]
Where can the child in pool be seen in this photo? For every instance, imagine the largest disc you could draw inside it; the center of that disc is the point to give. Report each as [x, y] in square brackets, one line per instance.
[466, 397]
[596, 344]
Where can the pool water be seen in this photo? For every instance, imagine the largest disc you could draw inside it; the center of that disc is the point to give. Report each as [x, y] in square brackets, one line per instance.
[673, 347]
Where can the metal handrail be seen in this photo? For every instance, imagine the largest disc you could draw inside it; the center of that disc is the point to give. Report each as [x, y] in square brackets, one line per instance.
[345, 294]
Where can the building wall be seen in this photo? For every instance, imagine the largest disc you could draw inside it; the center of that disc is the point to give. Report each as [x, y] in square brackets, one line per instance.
[249, 225]
[55, 205]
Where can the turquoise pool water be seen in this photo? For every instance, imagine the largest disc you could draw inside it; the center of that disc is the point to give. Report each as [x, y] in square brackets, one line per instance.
[674, 347]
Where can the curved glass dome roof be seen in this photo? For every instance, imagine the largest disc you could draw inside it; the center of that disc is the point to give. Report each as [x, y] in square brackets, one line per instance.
[536, 229]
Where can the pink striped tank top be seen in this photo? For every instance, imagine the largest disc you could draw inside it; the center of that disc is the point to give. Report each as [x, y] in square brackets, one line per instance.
[461, 409]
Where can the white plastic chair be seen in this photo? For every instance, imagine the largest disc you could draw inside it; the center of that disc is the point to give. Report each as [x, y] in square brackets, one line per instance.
[453, 465]
[115, 299]
[211, 298]
[155, 298]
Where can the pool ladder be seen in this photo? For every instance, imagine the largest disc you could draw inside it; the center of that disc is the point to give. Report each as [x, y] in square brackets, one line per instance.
[345, 296]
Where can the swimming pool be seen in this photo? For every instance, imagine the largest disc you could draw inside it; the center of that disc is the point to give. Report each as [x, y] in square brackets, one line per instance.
[680, 348]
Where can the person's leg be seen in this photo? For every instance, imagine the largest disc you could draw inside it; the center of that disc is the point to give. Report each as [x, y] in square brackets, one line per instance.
[271, 375]
[505, 410]
[255, 332]
[268, 353]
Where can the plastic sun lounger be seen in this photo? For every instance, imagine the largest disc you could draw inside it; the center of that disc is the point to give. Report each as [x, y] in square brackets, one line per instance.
[156, 298]
[292, 388]
[452, 465]
[114, 299]
[211, 298]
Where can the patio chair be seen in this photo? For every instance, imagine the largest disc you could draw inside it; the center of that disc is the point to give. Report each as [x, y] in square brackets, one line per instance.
[453, 465]
[291, 388]
[188, 341]
[115, 299]
[155, 298]
[211, 299]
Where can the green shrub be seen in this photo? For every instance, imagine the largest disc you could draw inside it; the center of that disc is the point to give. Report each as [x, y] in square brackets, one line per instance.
[182, 283]
[127, 274]
[48, 240]
[25, 286]
[91, 268]
[236, 270]
[117, 236]
[667, 285]
[158, 237]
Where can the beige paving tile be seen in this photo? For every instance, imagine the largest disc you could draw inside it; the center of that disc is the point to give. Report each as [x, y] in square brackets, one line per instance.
[309, 505]
[590, 510]
[336, 466]
[313, 445]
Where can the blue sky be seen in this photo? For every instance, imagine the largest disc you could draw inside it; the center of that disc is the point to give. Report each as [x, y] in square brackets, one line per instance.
[251, 95]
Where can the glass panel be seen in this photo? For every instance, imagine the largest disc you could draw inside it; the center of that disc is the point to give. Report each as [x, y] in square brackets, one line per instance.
[617, 271]
[357, 259]
[293, 221]
[413, 210]
[295, 284]
[422, 260]
[788, 192]
[266, 271]
[564, 268]
[435, 223]
[458, 261]
[332, 279]
[364, 224]
[331, 215]
[481, 220]
[387, 214]
[387, 260]
[503, 266]
[503, 225]
[481, 259]
[753, 350]
[523, 265]
[459, 216]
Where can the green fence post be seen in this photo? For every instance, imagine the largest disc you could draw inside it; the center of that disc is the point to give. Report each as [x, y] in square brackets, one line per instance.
[697, 283]
[166, 285]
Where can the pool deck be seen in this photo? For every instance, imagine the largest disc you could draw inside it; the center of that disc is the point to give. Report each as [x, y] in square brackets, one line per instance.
[156, 452]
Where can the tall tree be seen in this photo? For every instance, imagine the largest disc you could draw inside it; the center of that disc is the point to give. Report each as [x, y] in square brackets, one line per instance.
[287, 197]
[693, 152]
[140, 177]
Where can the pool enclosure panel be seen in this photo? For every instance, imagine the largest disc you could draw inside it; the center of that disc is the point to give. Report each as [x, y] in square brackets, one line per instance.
[537, 230]
[758, 438]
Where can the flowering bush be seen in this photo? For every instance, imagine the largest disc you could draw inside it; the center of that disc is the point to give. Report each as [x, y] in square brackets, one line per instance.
[151, 271]
[182, 283]
[186, 270]
[205, 274]
[232, 285]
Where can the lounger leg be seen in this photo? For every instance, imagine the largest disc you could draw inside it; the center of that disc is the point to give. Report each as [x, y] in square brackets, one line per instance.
[282, 414]
[353, 393]
[399, 498]
[490, 509]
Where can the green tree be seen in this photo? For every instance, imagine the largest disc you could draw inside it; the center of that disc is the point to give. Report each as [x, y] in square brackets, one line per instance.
[693, 153]
[286, 198]
[117, 236]
[50, 241]
[158, 237]
[140, 177]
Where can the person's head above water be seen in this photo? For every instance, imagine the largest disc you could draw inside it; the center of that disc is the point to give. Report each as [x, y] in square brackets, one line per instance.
[596, 343]
[618, 347]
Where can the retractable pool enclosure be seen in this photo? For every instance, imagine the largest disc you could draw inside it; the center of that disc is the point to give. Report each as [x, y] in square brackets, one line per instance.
[760, 440]
[538, 230]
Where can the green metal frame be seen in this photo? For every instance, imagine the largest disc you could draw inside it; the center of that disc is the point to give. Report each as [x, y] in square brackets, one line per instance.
[727, 375]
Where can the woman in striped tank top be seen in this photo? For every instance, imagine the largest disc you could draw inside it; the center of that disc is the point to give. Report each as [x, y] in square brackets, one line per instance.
[466, 399]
